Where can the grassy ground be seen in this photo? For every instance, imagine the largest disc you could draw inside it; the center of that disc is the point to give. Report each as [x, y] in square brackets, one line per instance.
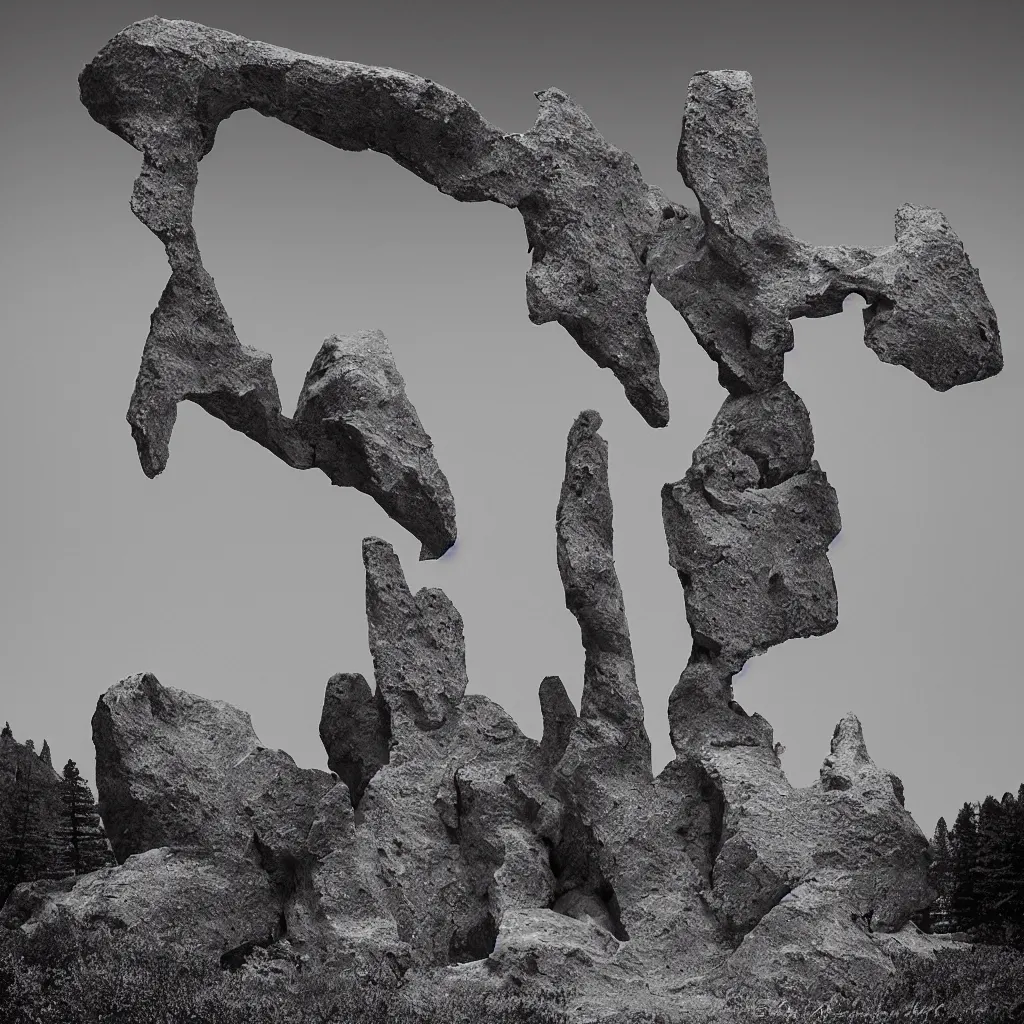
[59, 976]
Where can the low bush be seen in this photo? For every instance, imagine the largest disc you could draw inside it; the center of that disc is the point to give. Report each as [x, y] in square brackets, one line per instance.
[60, 975]
[978, 985]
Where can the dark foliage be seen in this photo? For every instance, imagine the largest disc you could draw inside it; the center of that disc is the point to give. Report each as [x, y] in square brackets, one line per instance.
[81, 842]
[978, 871]
[60, 974]
[49, 825]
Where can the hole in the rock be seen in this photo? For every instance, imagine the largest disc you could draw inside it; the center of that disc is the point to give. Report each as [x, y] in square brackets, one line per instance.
[854, 301]
[581, 889]
[475, 942]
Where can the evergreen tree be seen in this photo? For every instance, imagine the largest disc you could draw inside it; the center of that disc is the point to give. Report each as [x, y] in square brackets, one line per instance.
[83, 842]
[44, 754]
[27, 849]
[994, 884]
[6, 733]
[940, 872]
[964, 844]
[1014, 909]
[30, 746]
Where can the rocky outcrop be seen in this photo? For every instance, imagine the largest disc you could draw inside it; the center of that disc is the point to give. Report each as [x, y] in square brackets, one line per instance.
[738, 276]
[419, 655]
[460, 852]
[447, 843]
[610, 730]
[176, 770]
[748, 530]
[599, 235]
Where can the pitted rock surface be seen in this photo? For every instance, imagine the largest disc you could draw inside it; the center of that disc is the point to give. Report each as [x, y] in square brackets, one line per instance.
[738, 276]
[748, 529]
[355, 729]
[364, 433]
[454, 847]
[611, 720]
[599, 235]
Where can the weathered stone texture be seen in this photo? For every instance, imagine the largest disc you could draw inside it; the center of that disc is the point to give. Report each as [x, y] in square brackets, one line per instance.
[454, 847]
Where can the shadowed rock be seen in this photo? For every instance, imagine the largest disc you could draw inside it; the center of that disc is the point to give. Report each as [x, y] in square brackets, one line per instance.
[559, 717]
[364, 433]
[355, 729]
[738, 276]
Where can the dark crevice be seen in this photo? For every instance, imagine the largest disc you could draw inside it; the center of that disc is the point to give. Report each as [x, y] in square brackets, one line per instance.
[703, 826]
[581, 889]
[234, 958]
[474, 943]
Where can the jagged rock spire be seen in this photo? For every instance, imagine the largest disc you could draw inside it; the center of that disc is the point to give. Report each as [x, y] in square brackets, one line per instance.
[419, 654]
[611, 719]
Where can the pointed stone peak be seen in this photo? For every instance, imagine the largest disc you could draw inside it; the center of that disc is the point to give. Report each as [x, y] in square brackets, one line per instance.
[417, 643]
[611, 712]
[559, 715]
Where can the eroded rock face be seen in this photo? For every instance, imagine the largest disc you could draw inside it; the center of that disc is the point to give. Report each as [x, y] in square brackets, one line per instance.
[176, 770]
[748, 529]
[610, 728]
[364, 433]
[738, 276]
[419, 654]
[598, 233]
[456, 848]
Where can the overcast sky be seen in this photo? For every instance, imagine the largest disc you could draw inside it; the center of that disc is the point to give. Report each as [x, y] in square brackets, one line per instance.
[236, 577]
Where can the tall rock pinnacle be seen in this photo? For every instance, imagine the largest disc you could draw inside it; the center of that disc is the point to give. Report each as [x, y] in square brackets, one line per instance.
[611, 719]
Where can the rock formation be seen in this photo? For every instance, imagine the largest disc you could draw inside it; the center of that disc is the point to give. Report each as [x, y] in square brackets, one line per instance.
[599, 235]
[446, 843]
[738, 276]
[461, 852]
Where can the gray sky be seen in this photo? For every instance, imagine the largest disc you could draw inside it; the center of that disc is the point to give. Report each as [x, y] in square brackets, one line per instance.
[236, 577]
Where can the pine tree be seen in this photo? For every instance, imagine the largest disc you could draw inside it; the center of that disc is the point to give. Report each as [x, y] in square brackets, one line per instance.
[940, 872]
[44, 754]
[6, 731]
[993, 880]
[964, 847]
[1014, 909]
[27, 849]
[83, 842]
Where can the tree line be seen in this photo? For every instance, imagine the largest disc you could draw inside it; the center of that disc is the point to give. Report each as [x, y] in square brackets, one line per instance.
[50, 827]
[977, 869]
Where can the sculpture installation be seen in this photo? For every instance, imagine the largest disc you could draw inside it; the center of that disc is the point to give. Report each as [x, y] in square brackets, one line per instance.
[445, 843]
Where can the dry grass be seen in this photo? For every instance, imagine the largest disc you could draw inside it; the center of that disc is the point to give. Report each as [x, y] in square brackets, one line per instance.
[61, 976]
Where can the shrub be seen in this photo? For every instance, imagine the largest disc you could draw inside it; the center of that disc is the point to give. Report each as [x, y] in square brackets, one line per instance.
[978, 985]
[62, 975]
